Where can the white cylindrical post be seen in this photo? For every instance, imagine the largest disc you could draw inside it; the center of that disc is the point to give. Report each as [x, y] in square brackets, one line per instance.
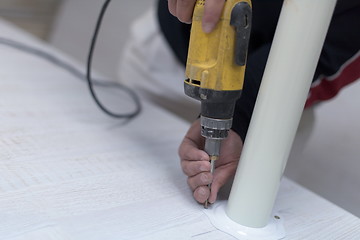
[287, 78]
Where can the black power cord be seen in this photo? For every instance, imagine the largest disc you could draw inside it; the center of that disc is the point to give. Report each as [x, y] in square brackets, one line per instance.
[88, 72]
[79, 74]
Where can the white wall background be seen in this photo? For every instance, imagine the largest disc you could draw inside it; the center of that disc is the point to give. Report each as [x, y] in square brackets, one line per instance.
[328, 165]
[75, 24]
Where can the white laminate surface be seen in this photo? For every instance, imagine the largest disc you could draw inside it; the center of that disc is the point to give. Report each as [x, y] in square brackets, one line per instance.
[68, 172]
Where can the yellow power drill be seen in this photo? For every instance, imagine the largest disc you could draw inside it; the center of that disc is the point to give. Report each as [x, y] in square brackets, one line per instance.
[215, 70]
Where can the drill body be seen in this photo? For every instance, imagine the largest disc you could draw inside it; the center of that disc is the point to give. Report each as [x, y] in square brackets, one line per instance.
[215, 69]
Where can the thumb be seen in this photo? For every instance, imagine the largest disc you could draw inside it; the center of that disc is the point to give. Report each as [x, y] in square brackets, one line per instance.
[221, 175]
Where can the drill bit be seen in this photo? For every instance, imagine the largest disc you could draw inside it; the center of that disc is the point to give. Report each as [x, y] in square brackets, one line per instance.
[214, 131]
[212, 169]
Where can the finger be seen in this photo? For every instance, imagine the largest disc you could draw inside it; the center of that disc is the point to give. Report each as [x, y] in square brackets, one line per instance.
[212, 13]
[193, 141]
[190, 151]
[184, 10]
[202, 179]
[221, 176]
[201, 194]
[192, 168]
[172, 7]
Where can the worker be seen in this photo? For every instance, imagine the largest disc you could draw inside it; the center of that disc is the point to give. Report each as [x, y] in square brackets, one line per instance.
[338, 66]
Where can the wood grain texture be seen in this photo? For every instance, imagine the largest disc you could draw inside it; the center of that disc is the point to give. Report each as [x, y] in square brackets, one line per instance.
[67, 172]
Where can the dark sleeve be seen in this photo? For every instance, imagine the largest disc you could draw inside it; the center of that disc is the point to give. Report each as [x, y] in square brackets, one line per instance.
[264, 21]
[342, 40]
[244, 106]
[341, 44]
[176, 33]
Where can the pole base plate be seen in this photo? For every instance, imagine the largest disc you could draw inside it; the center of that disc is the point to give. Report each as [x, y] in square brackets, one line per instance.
[274, 230]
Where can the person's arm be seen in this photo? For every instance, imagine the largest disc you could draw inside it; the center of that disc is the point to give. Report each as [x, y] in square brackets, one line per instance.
[338, 50]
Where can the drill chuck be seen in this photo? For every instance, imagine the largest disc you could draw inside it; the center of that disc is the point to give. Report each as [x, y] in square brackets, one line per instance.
[215, 128]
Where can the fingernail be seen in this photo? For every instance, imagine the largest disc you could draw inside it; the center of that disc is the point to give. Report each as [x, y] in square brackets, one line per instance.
[202, 192]
[208, 27]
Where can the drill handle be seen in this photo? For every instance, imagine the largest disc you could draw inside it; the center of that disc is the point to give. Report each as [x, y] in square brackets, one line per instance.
[241, 17]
